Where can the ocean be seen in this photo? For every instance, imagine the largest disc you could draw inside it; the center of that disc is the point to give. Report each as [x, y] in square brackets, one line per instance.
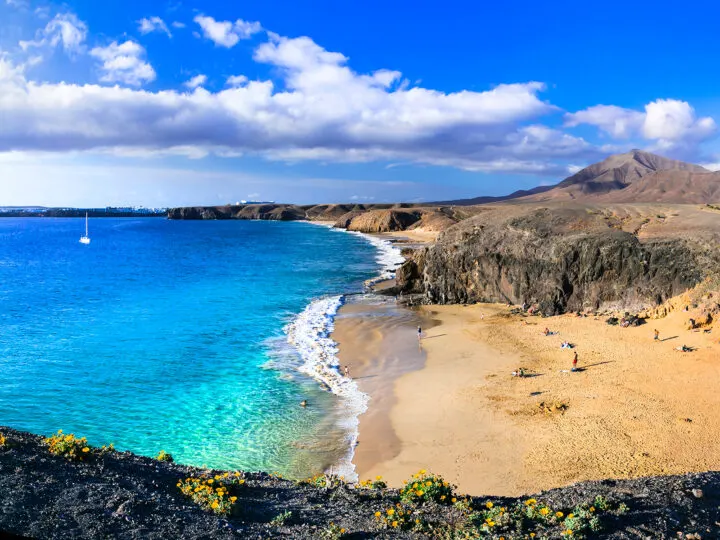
[199, 338]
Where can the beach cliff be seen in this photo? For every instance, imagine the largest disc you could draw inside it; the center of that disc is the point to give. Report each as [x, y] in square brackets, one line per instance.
[558, 259]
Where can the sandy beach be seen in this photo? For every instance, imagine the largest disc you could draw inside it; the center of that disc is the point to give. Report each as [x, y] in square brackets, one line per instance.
[636, 408]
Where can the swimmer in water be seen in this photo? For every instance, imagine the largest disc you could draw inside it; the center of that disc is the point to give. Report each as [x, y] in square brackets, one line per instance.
[303, 403]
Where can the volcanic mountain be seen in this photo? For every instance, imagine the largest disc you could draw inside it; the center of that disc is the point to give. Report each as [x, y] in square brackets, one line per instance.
[637, 176]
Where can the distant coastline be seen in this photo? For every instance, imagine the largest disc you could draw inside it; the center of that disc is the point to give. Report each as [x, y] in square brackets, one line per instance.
[109, 211]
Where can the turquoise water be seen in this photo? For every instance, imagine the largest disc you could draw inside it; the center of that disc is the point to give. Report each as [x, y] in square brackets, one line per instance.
[157, 335]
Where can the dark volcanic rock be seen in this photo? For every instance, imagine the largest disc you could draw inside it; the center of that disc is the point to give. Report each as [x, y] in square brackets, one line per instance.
[121, 495]
[561, 260]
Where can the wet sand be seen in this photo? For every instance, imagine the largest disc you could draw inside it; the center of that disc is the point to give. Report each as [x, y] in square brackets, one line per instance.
[378, 342]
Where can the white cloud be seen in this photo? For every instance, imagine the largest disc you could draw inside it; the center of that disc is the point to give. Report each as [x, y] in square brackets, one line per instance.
[226, 33]
[124, 63]
[673, 120]
[64, 29]
[670, 123]
[236, 80]
[197, 80]
[711, 166]
[153, 24]
[617, 121]
[18, 3]
[320, 110]
[178, 24]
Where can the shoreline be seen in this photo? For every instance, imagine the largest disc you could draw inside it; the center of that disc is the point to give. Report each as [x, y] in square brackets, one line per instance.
[317, 346]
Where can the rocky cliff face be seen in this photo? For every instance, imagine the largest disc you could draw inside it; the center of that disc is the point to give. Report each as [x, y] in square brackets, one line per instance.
[559, 259]
[276, 212]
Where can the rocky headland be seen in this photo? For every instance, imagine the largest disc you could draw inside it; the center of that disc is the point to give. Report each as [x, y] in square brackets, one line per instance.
[566, 258]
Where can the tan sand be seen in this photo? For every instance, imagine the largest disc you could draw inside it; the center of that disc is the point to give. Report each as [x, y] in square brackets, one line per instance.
[638, 408]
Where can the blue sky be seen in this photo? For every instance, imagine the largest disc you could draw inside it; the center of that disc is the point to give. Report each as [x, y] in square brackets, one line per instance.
[176, 103]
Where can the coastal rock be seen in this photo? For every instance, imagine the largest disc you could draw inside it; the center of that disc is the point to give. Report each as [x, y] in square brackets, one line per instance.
[560, 259]
[122, 495]
[379, 221]
[274, 212]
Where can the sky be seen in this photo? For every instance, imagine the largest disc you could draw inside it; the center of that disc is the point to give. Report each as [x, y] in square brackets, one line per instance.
[175, 103]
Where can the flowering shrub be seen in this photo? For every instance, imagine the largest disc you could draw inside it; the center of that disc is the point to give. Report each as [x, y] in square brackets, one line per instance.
[401, 516]
[2, 439]
[164, 456]
[424, 487]
[324, 481]
[332, 532]
[217, 494]
[68, 446]
[378, 483]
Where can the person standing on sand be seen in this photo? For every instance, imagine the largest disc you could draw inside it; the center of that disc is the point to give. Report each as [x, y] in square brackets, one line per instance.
[346, 372]
[575, 360]
[657, 335]
[419, 333]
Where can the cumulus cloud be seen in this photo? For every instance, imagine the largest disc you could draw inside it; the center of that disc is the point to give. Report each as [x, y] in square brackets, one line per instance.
[196, 81]
[669, 123]
[153, 24]
[178, 24]
[318, 109]
[124, 63]
[64, 29]
[226, 33]
[236, 80]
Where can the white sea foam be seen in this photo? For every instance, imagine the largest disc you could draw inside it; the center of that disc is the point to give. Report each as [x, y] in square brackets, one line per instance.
[309, 333]
[389, 257]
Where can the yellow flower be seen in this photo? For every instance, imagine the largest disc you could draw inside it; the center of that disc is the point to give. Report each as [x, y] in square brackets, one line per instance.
[428, 483]
[570, 516]
[210, 481]
[442, 497]
[530, 502]
[453, 500]
[569, 532]
[559, 514]
[489, 504]
[532, 535]
[592, 508]
[378, 477]
[86, 449]
[215, 504]
[544, 511]
[394, 523]
[391, 511]
[491, 523]
[377, 514]
[423, 471]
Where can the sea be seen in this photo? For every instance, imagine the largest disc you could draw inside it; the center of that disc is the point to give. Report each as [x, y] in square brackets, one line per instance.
[198, 338]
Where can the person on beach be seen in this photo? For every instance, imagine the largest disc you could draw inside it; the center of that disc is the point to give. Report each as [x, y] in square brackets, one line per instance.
[657, 335]
[419, 333]
[346, 372]
[547, 331]
[575, 361]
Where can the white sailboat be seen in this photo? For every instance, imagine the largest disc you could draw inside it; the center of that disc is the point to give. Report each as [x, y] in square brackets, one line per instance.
[85, 239]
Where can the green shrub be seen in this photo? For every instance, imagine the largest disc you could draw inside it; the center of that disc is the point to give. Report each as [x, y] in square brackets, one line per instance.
[164, 456]
[217, 494]
[68, 446]
[424, 487]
